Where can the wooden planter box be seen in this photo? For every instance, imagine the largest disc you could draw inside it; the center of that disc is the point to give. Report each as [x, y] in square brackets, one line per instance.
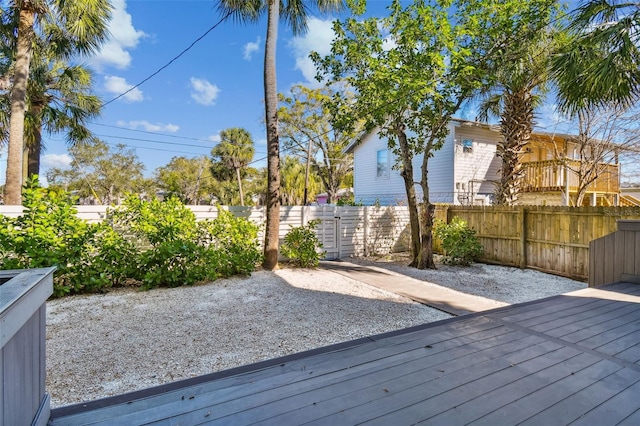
[23, 296]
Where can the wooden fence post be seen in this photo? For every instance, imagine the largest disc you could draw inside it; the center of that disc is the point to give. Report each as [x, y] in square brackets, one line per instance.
[523, 237]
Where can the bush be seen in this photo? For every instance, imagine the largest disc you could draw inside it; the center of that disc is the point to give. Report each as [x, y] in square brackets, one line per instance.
[182, 251]
[236, 241]
[48, 233]
[149, 242]
[302, 247]
[154, 222]
[460, 244]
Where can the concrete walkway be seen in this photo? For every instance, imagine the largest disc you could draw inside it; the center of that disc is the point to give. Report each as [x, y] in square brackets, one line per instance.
[433, 295]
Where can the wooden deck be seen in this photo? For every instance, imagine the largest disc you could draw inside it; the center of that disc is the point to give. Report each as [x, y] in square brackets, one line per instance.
[570, 359]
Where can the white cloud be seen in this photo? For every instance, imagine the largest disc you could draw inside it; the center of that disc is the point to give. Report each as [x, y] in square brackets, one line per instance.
[124, 36]
[250, 48]
[118, 85]
[317, 39]
[203, 92]
[56, 160]
[215, 138]
[149, 127]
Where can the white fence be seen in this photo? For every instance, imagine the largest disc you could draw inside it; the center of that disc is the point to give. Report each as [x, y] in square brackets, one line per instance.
[343, 231]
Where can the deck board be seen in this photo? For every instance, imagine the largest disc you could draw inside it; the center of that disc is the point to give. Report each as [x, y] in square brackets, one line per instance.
[555, 361]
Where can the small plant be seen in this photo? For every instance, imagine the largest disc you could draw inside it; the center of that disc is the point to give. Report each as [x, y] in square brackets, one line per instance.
[302, 247]
[460, 244]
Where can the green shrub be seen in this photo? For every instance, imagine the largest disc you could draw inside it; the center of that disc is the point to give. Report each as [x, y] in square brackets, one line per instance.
[302, 247]
[460, 244]
[152, 243]
[48, 233]
[154, 222]
[236, 241]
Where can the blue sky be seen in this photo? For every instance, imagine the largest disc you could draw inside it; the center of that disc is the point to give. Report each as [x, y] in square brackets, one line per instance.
[216, 85]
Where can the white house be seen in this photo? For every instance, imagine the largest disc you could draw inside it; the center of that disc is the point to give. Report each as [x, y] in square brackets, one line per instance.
[461, 172]
[466, 168]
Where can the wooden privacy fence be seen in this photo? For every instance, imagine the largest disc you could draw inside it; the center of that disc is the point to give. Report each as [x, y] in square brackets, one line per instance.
[550, 239]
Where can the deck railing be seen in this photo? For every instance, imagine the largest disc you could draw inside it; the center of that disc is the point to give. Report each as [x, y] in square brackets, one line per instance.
[23, 293]
[550, 175]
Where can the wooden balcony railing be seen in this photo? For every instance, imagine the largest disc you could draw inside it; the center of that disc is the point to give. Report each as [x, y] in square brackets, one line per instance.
[550, 176]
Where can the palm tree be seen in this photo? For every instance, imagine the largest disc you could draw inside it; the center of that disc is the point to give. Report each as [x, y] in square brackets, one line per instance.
[295, 13]
[235, 151]
[601, 65]
[59, 99]
[72, 27]
[519, 89]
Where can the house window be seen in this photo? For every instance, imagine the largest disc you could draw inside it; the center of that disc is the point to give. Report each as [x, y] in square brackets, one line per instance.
[383, 163]
[467, 146]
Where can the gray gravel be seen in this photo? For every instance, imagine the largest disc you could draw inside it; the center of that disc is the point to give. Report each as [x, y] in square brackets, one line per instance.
[501, 283]
[103, 345]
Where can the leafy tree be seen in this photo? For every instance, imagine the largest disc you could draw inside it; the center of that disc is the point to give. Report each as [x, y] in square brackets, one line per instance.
[99, 171]
[73, 27]
[413, 70]
[234, 152]
[601, 64]
[306, 130]
[519, 88]
[294, 190]
[295, 13]
[189, 179]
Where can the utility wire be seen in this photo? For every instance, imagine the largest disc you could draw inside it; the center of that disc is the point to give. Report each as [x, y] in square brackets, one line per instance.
[171, 61]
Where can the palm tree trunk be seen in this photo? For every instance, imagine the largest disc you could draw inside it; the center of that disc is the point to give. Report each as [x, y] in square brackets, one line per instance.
[272, 231]
[34, 149]
[240, 185]
[13, 185]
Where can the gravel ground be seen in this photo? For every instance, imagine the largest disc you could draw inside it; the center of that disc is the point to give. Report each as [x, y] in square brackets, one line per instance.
[502, 283]
[103, 345]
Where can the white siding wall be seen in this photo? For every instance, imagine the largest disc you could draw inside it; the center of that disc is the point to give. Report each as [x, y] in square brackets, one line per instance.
[441, 172]
[368, 188]
[476, 171]
[448, 166]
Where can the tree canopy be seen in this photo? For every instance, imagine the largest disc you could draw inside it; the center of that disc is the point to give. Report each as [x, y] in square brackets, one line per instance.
[307, 132]
[413, 70]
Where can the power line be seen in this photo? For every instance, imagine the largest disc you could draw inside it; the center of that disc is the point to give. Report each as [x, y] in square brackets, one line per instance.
[153, 141]
[171, 61]
[152, 133]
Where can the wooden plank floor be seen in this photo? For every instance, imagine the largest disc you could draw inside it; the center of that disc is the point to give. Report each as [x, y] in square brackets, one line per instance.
[570, 359]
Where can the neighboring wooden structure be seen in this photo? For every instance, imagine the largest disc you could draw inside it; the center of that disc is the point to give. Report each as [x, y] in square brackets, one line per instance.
[550, 165]
[569, 359]
[616, 257]
[23, 293]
